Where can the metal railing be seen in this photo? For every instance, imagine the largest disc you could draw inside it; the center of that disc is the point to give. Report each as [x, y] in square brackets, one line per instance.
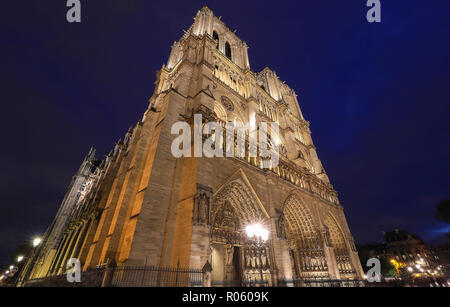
[89, 278]
[153, 276]
[238, 283]
[322, 282]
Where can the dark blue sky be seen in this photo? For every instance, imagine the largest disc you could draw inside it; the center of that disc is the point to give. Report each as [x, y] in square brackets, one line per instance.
[377, 96]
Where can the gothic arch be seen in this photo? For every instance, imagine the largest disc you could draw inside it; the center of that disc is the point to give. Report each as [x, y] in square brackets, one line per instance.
[300, 226]
[304, 239]
[234, 256]
[228, 52]
[216, 38]
[240, 199]
[220, 111]
[337, 241]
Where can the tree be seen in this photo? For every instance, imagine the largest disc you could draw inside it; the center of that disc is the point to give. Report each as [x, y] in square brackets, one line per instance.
[366, 251]
[443, 212]
[387, 269]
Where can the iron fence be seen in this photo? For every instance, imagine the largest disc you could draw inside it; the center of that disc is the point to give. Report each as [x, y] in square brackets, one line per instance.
[321, 282]
[89, 278]
[238, 283]
[154, 276]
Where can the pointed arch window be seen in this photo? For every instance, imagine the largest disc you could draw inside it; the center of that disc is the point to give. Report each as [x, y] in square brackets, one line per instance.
[228, 50]
[216, 38]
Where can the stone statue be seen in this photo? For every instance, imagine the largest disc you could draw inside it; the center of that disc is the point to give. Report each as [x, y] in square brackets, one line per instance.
[229, 254]
[202, 206]
[327, 235]
[203, 209]
[281, 227]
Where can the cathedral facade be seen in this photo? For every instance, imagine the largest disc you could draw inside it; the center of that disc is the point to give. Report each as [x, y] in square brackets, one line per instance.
[143, 206]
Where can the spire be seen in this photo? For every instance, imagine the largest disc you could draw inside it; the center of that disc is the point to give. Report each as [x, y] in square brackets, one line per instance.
[91, 155]
[203, 21]
[206, 23]
[87, 162]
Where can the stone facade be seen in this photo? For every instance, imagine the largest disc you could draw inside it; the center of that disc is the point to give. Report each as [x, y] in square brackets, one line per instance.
[149, 208]
[406, 248]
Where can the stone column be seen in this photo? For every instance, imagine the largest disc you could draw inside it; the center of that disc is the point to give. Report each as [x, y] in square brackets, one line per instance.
[333, 269]
[280, 250]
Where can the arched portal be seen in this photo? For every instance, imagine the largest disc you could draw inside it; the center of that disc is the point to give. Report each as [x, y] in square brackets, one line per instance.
[228, 50]
[236, 259]
[220, 111]
[337, 240]
[216, 38]
[306, 245]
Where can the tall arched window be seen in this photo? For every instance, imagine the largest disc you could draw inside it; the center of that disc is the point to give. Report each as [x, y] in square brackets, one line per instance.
[216, 38]
[228, 50]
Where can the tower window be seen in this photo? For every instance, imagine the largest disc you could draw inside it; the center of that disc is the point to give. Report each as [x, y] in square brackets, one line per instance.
[228, 50]
[216, 38]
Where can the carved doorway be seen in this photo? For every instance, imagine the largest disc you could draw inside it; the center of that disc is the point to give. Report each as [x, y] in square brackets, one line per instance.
[227, 265]
[234, 256]
[305, 241]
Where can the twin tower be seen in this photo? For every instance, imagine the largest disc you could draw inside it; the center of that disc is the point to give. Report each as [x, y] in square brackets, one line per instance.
[141, 205]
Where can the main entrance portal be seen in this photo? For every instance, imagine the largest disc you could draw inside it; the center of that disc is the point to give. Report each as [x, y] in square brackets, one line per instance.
[235, 265]
[235, 259]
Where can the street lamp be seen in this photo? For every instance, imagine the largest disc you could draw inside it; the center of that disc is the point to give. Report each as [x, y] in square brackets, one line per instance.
[257, 232]
[20, 258]
[36, 242]
[31, 259]
[259, 235]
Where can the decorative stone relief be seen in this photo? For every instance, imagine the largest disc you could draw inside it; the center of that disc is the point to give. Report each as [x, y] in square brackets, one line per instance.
[281, 227]
[227, 103]
[202, 206]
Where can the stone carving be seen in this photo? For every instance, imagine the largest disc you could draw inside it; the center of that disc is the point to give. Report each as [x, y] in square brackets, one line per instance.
[326, 234]
[281, 227]
[229, 255]
[226, 217]
[227, 103]
[202, 206]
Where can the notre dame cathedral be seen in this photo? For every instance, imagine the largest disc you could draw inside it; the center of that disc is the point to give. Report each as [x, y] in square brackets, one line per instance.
[142, 206]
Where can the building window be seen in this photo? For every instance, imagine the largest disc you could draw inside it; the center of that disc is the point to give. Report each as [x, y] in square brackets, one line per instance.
[228, 50]
[216, 38]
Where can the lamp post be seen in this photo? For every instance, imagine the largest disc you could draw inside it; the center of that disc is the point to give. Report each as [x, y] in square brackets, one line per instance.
[31, 259]
[259, 235]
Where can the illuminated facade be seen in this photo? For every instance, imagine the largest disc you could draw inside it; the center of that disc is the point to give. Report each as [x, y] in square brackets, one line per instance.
[406, 248]
[148, 207]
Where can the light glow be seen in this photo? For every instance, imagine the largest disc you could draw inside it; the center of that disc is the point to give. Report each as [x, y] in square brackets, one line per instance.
[37, 241]
[258, 231]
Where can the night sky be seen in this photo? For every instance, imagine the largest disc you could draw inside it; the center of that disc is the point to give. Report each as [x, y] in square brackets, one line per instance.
[377, 97]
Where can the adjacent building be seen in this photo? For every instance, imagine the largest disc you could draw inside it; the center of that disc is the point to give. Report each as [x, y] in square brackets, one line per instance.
[408, 253]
